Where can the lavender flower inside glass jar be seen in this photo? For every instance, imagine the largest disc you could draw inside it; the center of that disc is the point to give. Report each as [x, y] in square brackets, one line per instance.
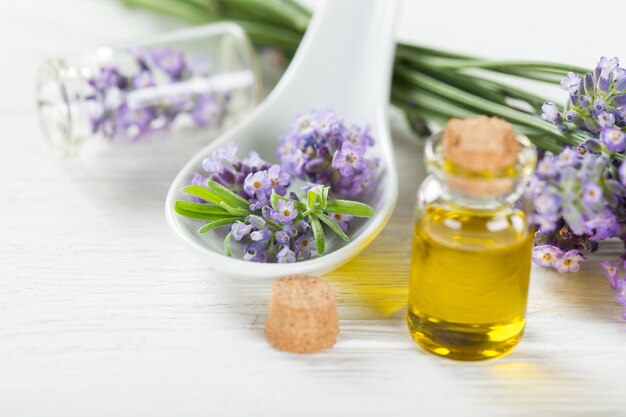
[202, 78]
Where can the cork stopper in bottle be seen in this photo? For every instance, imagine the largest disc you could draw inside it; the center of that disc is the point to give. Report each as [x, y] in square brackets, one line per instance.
[302, 315]
[481, 147]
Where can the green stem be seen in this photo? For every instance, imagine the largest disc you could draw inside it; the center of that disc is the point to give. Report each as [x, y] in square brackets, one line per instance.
[452, 93]
[424, 103]
[539, 71]
[182, 10]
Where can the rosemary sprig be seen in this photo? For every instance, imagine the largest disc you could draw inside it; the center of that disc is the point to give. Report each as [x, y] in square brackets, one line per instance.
[223, 207]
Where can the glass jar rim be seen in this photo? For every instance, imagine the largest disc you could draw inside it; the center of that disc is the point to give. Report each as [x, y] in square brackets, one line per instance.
[505, 185]
[437, 164]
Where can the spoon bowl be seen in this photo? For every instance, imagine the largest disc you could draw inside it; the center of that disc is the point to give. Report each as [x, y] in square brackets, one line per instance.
[343, 63]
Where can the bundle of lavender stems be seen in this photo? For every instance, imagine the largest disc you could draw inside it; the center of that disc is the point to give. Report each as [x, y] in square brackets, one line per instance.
[579, 191]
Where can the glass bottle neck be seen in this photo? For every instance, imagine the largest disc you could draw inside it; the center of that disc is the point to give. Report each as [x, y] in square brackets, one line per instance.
[62, 112]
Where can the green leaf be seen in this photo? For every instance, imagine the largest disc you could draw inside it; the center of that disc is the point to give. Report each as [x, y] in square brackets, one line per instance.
[318, 233]
[203, 193]
[324, 197]
[227, 240]
[199, 211]
[228, 196]
[218, 223]
[237, 211]
[351, 208]
[311, 197]
[333, 226]
[274, 198]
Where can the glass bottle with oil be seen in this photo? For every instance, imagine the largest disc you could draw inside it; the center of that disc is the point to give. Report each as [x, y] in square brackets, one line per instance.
[471, 257]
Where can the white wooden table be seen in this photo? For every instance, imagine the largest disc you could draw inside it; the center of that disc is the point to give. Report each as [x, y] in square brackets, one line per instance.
[102, 313]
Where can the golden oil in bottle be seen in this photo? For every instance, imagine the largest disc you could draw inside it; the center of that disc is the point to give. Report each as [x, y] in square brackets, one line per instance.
[469, 281]
[471, 256]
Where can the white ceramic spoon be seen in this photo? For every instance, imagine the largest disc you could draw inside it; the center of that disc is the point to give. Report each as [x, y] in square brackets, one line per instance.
[343, 63]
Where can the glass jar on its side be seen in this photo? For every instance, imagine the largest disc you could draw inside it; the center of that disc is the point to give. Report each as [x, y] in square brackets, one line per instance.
[471, 257]
[203, 78]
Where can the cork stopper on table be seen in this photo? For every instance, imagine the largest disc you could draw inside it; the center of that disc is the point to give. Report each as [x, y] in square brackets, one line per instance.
[302, 315]
[480, 145]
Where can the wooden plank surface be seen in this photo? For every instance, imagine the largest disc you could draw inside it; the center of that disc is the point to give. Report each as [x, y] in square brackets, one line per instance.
[102, 313]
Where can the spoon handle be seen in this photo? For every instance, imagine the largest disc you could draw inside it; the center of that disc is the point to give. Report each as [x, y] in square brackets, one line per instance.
[345, 56]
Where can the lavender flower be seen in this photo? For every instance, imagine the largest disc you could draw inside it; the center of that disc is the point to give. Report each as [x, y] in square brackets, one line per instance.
[168, 60]
[575, 198]
[551, 113]
[546, 255]
[303, 246]
[569, 261]
[611, 273]
[580, 195]
[349, 159]
[206, 110]
[285, 255]
[280, 180]
[116, 115]
[285, 211]
[322, 149]
[258, 185]
[240, 230]
[613, 139]
[252, 178]
[342, 220]
[594, 102]
[251, 196]
[571, 83]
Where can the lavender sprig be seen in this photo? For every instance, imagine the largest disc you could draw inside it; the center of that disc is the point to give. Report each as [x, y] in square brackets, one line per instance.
[580, 194]
[281, 232]
[116, 111]
[321, 149]
[251, 197]
[596, 106]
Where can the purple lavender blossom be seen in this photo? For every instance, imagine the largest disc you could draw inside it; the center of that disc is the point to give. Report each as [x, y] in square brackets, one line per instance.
[591, 187]
[611, 273]
[321, 149]
[285, 255]
[349, 159]
[115, 114]
[575, 198]
[568, 157]
[303, 246]
[206, 110]
[546, 167]
[551, 113]
[168, 60]
[620, 297]
[604, 71]
[613, 139]
[255, 252]
[262, 235]
[620, 79]
[571, 83]
[342, 220]
[605, 119]
[594, 102]
[258, 187]
[134, 122]
[240, 230]
[280, 180]
[143, 79]
[546, 255]
[592, 194]
[569, 262]
[285, 211]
